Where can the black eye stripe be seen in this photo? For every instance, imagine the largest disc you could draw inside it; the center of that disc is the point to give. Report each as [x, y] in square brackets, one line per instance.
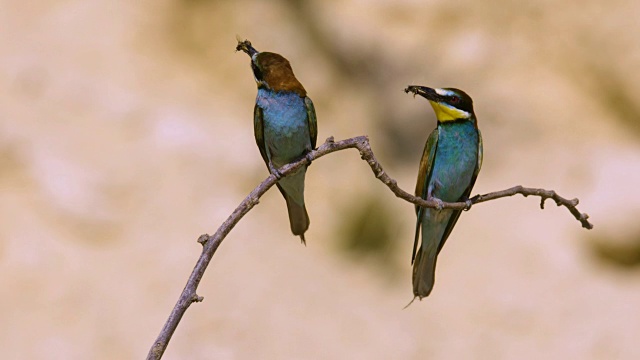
[256, 71]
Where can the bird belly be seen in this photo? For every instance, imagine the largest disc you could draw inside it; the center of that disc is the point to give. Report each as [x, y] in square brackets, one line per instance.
[450, 181]
[286, 129]
[286, 137]
[455, 163]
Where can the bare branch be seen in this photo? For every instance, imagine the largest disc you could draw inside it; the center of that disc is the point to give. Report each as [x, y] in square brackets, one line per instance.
[211, 243]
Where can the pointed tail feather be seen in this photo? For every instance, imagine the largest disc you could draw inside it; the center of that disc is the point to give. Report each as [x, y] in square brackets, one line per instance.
[298, 218]
[424, 271]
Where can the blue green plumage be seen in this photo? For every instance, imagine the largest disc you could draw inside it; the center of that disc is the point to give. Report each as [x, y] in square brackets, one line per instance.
[283, 134]
[448, 169]
[285, 127]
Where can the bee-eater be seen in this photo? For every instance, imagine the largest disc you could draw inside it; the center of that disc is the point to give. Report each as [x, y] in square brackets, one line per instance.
[449, 166]
[285, 126]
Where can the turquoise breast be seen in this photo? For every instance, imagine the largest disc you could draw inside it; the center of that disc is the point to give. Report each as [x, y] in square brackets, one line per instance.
[286, 131]
[455, 161]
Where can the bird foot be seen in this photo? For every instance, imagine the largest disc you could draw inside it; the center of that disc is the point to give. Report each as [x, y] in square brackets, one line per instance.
[439, 203]
[309, 158]
[274, 171]
[468, 204]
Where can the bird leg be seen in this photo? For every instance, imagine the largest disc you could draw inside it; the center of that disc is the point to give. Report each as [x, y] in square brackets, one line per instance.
[468, 202]
[309, 158]
[439, 203]
[274, 171]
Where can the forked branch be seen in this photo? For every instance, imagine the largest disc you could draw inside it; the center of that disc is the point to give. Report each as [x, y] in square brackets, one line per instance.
[211, 243]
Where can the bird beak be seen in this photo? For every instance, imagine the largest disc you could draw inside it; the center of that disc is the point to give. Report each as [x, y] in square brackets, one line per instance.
[426, 92]
[246, 47]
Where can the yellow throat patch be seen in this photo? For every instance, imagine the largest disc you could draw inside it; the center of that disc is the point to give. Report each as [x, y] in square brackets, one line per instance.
[446, 112]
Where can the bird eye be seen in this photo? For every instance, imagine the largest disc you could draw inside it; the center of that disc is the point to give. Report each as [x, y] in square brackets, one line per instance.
[455, 99]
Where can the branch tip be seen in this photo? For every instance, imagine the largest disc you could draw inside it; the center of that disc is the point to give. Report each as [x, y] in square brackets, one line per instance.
[542, 200]
[203, 239]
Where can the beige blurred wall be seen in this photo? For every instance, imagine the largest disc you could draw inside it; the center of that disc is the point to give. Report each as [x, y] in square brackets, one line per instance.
[126, 132]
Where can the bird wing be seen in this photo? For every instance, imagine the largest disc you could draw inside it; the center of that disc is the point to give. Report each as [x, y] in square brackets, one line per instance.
[424, 174]
[258, 131]
[312, 121]
[465, 196]
[480, 154]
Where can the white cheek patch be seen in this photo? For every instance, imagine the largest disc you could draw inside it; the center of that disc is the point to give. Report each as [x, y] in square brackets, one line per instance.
[443, 92]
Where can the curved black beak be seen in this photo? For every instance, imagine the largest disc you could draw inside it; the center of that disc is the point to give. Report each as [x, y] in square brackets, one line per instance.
[426, 92]
[245, 45]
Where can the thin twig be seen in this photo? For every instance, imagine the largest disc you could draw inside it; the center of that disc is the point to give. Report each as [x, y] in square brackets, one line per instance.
[211, 243]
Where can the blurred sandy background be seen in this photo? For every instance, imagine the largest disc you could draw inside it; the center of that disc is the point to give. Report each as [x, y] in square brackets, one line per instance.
[126, 132]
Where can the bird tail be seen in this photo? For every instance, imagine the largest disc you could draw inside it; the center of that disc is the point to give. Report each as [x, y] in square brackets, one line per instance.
[298, 218]
[424, 273]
